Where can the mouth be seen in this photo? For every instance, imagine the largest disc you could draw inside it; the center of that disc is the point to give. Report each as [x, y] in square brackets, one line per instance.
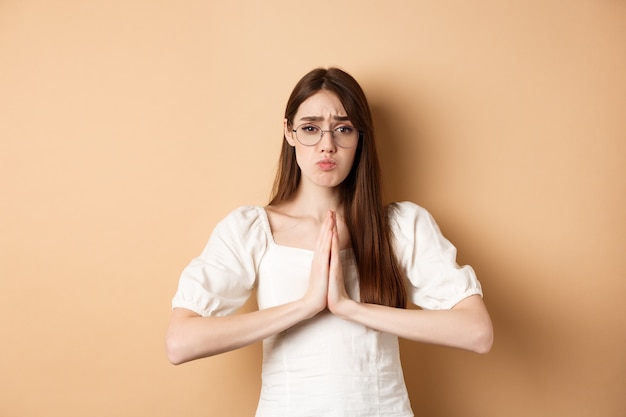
[326, 164]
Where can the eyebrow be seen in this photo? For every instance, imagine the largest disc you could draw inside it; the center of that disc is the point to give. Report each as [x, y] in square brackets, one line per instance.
[321, 119]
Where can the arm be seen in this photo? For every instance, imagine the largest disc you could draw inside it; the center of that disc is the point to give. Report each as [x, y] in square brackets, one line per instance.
[466, 326]
[191, 336]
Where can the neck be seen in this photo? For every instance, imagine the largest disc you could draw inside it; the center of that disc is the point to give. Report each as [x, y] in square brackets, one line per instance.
[316, 201]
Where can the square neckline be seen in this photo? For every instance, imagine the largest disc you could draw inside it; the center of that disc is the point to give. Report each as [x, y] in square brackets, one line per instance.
[265, 221]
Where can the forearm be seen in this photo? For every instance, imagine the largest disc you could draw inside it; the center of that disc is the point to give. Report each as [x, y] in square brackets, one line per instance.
[190, 336]
[466, 326]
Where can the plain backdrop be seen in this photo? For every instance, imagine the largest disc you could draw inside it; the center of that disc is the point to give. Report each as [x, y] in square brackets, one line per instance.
[129, 128]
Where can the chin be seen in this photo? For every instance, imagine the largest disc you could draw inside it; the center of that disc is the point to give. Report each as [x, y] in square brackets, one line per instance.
[329, 182]
[325, 179]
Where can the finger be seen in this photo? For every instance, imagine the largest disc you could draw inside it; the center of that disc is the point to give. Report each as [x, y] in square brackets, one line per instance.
[325, 234]
[336, 289]
[335, 255]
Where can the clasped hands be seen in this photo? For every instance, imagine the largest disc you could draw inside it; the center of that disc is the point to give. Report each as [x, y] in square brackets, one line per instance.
[326, 285]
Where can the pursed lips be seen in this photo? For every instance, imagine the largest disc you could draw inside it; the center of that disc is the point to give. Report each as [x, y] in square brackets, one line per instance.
[326, 164]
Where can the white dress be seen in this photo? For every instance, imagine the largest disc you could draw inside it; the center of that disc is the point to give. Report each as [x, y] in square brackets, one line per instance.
[325, 366]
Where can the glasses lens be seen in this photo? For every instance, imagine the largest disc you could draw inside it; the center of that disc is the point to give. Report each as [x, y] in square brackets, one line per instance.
[343, 136]
[309, 134]
[346, 136]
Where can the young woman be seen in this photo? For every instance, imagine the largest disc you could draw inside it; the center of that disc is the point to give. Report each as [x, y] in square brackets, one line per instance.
[333, 270]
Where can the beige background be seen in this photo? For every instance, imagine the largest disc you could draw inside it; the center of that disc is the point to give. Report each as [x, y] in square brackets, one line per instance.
[129, 128]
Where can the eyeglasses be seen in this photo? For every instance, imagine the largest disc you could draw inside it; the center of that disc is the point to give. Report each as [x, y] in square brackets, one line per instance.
[344, 136]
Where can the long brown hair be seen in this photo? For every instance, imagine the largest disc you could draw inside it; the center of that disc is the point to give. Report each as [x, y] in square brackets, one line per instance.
[380, 278]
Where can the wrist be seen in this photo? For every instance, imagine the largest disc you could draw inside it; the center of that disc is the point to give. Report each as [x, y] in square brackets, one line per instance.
[311, 307]
[345, 309]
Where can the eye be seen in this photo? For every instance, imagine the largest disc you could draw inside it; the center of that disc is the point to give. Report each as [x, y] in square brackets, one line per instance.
[309, 129]
[344, 130]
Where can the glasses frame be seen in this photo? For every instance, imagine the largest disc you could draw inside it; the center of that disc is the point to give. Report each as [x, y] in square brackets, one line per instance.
[332, 135]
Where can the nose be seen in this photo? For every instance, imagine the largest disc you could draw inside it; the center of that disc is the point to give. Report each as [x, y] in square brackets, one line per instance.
[327, 142]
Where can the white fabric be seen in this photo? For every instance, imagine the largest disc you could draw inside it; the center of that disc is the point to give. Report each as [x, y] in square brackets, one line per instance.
[325, 366]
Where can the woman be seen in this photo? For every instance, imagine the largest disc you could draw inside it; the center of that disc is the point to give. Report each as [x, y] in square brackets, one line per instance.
[333, 271]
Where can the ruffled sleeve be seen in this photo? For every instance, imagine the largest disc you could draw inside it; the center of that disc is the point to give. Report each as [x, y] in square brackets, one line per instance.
[221, 279]
[436, 281]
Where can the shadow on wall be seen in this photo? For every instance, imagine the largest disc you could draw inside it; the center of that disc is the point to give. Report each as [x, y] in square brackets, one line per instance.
[398, 149]
[534, 366]
[438, 378]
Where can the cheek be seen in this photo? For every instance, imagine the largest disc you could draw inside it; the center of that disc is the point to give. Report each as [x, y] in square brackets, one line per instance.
[301, 155]
[352, 159]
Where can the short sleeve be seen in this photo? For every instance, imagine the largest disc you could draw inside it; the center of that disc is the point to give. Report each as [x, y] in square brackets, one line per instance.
[428, 259]
[221, 279]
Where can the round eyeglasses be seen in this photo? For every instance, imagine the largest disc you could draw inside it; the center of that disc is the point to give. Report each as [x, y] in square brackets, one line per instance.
[344, 136]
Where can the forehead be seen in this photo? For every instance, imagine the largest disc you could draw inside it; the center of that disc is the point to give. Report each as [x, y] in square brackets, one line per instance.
[324, 104]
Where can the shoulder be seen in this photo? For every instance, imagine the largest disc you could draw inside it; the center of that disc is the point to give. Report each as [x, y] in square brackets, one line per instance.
[245, 225]
[399, 213]
[410, 221]
[245, 215]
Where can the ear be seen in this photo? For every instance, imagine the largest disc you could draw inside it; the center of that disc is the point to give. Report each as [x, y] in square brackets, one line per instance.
[288, 133]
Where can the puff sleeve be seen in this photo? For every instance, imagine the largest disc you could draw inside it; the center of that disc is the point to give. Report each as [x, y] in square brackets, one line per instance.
[221, 279]
[428, 259]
